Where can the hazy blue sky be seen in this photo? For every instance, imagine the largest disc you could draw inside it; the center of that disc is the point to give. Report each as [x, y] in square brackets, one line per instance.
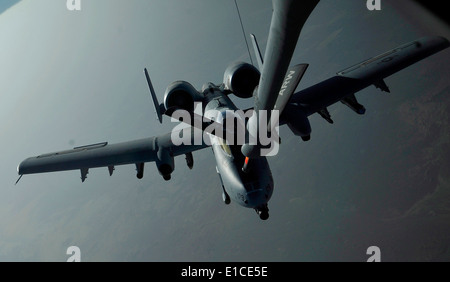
[74, 78]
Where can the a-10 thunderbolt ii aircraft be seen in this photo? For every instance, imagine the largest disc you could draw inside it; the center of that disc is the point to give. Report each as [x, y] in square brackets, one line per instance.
[242, 166]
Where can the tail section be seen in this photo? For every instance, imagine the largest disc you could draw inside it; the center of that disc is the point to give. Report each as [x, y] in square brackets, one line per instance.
[259, 57]
[160, 109]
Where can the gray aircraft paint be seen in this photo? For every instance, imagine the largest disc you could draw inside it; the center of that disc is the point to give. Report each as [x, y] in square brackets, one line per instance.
[250, 191]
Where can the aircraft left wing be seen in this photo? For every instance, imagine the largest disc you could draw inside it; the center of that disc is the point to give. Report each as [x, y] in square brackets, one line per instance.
[158, 149]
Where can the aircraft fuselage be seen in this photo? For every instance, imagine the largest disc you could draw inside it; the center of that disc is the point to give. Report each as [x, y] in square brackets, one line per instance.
[251, 189]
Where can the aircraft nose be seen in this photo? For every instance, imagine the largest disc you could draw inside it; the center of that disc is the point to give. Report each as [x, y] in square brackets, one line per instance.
[255, 198]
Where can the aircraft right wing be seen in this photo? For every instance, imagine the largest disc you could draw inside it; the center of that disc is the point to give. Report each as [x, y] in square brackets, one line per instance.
[347, 82]
[158, 149]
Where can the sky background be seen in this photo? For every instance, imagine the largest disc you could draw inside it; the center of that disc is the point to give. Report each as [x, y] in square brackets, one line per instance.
[74, 78]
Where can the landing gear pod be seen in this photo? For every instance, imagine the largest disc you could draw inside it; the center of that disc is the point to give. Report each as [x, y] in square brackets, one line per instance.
[298, 122]
[165, 163]
[189, 160]
[140, 170]
[263, 212]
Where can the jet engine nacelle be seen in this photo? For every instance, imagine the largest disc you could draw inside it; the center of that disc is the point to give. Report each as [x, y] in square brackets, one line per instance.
[181, 95]
[165, 163]
[241, 79]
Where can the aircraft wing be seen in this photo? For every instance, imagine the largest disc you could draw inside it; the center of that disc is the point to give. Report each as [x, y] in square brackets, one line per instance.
[347, 82]
[158, 149]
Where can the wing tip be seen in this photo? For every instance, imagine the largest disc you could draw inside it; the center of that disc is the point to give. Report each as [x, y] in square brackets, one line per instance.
[20, 168]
